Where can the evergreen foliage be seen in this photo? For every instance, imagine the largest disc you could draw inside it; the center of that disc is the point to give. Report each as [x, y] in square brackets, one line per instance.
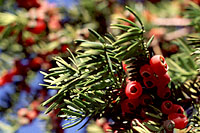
[91, 84]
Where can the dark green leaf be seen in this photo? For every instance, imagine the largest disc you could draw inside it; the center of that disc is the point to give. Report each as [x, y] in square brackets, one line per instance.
[123, 40]
[150, 41]
[72, 104]
[130, 34]
[72, 113]
[97, 35]
[92, 45]
[129, 21]
[121, 27]
[130, 10]
[87, 98]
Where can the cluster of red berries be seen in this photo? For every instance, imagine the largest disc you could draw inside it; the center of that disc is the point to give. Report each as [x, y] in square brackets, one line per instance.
[21, 69]
[26, 115]
[175, 113]
[156, 74]
[38, 27]
[153, 75]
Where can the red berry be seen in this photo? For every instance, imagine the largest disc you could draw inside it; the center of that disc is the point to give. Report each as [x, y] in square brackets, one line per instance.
[131, 17]
[55, 51]
[164, 93]
[180, 120]
[38, 28]
[64, 48]
[1, 28]
[36, 63]
[178, 109]
[54, 23]
[163, 80]
[6, 78]
[146, 71]
[2, 81]
[29, 41]
[146, 99]
[196, 1]
[158, 64]
[22, 112]
[31, 115]
[133, 90]
[167, 107]
[129, 105]
[149, 82]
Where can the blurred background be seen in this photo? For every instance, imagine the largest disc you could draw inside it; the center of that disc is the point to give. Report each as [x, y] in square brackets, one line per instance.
[34, 31]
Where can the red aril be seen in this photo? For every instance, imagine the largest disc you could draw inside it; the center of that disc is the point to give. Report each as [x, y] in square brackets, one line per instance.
[178, 109]
[146, 71]
[158, 64]
[167, 107]
[133, 90]
[180, 120]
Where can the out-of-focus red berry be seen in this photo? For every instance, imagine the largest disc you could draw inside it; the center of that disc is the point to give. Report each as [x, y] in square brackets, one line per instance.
[55, 51]
[6, 78]
[28, 3]
[133, 90]
[36, 63]
[173, 48]
[1, 28]
[29, 41]
[196, 1]
[64, 48]
[2, 81]
[148, 15]
[38, 28]
[157, 32]
[131, 17]
[22, 112]
[32, 114]
[54, 23]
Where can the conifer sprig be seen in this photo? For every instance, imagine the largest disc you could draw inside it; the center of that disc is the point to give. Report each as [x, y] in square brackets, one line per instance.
[90, 84]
